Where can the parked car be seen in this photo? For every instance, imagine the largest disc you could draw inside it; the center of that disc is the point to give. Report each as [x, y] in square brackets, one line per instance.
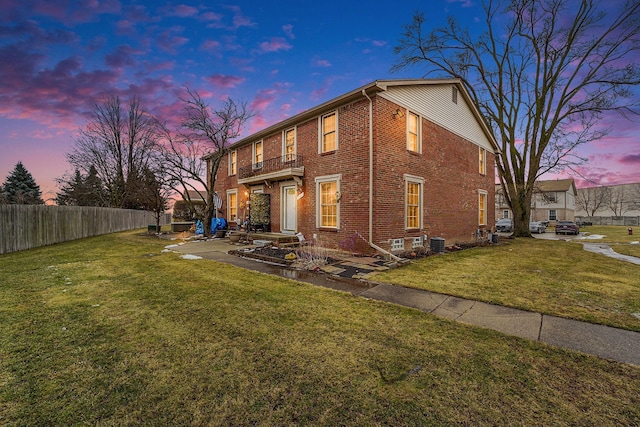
[537, 227]
[567, 227]
[504, 225]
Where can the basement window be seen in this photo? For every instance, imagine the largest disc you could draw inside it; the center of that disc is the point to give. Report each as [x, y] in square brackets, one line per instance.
[397, 244]
[417, 242]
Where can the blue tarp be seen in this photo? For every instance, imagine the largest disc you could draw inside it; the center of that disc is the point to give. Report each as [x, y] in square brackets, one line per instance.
[218, 224]
[199, 227]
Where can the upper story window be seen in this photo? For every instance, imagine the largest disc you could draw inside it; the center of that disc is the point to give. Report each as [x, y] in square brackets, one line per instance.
[552, 197]
[329, 132]
[233, 162]
[413, 133]
[257, 155]
[289, 145]
[482, 161]
[454, 94]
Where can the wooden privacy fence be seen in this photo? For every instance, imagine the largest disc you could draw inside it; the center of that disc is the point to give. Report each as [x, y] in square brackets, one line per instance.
[30, 226]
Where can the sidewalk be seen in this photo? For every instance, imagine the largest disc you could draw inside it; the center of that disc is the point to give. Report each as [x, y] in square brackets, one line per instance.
[603, 341]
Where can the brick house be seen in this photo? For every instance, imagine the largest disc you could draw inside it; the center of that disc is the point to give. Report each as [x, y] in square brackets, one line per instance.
[394, 160]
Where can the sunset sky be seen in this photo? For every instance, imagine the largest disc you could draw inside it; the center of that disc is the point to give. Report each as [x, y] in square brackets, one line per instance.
[58, 58]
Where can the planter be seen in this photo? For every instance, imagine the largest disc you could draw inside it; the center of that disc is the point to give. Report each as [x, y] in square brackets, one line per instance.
[220, 233]
[234, 238]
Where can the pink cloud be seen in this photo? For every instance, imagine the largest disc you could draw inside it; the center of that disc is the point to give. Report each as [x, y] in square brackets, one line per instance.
[158, 66]
[321, 63]
[264, 98]
[220, 80]
[288, 30]
[124, 26]
[239, 20]
[211, 16]
[274, 45]
[210, 45]
[257, 123]
[122, 56]
[631, 159]
[81, 11]
[171, 39]
[183, 11]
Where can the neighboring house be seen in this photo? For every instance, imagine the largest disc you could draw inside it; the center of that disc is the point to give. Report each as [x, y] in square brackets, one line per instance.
[393, 161]
[195, 196]
[190, 207]
[552, 201]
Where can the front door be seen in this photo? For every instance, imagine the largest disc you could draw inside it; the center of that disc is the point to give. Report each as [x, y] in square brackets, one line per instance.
[289, 203]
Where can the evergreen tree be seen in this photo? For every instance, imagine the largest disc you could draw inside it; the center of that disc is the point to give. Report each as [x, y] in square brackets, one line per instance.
[20, 188]
[68, 195]
[95, 191]
[81, 190]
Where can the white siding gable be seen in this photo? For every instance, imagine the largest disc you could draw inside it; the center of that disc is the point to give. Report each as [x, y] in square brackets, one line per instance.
[434, 103]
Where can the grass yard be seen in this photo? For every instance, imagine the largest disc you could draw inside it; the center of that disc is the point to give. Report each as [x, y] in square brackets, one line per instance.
[110, 331]
[547, 276]
[618, 237]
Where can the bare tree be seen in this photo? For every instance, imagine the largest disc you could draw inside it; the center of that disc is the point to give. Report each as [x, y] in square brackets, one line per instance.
[635, 196]
[120, 145]
[618, 200]
[542, 73]
[194, 156]
[592, 199]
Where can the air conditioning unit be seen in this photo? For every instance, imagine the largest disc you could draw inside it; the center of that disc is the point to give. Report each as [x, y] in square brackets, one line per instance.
[436, 244]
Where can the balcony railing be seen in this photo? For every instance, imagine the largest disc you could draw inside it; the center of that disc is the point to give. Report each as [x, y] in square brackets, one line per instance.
[271, 166]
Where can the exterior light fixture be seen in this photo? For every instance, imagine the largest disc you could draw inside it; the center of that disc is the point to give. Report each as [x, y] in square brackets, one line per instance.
[398, 113]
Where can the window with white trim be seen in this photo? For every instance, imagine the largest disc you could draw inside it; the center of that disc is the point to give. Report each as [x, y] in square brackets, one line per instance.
[232, 205]
[329, 132]
[413, 189]
[482, 207]
[289, 145]
[328, 201]
[482, 161]
[233, 162]
[413, 133]
[553, 215]
[454, 94]
[257, 155]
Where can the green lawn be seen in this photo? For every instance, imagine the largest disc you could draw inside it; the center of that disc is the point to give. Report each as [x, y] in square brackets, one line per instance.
[110, 331]
[618, 237]
[548, 276]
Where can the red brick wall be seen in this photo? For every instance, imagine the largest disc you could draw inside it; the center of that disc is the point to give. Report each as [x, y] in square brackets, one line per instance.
[448, 164]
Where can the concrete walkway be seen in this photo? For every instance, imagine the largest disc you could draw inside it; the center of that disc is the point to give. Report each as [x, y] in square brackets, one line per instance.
[603, 341]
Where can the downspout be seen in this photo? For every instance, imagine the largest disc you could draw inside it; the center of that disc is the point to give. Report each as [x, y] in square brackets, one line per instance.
[370, 166]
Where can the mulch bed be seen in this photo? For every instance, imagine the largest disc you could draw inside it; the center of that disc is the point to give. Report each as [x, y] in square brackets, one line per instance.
[273, 254]
[278, 255]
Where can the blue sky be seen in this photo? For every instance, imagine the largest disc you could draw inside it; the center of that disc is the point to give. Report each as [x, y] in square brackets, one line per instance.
[60, 57]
